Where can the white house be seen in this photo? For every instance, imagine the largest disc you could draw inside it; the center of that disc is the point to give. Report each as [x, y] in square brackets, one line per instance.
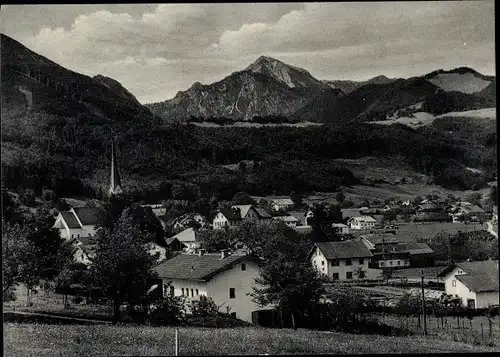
[476, 283]
[362, 222]
[340, 228]
[290, 221]
[230, 217]
[77, 222]
[227, 279]
[187, 240]
[188, 220]
[342, 260]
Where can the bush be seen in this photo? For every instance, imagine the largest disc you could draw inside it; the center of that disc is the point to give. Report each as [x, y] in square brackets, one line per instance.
[204, 307]
[167, 312]
[28, 197]
[77, 300]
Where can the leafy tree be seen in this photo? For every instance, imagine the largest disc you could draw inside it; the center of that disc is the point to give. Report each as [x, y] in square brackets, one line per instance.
[287, 278]
[146, 221]
[28, 197]
[121, 266]
[340, 197]
[204, 307]
[417, 200]
[493, 196]
[296, 198]
[215, 240]
[389, 216]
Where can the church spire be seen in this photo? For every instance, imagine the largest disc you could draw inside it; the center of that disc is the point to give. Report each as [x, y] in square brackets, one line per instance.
[115, 187]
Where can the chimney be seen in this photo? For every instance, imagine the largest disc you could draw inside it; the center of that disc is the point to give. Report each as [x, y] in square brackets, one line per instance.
[224, 253]
[201, 252]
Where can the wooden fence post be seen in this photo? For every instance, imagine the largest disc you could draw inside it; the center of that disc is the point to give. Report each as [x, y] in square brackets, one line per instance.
[482, 334]
[176, 341]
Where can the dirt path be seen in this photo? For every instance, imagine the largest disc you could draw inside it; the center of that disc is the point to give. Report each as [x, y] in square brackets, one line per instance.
[491, 229]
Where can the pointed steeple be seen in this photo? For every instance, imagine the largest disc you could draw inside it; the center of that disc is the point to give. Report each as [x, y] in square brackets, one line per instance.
[115, 187]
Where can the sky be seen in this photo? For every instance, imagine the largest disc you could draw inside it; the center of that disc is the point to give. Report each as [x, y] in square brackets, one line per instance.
[157, 50]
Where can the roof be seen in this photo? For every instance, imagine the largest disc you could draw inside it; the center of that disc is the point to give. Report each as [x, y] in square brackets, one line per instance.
[299, 215]
[89, 216]
[281, 200]
[345, 249]
[411, 248]
[244, 209]
[262, 212]
[385, 238]
[350, 212]
[286, 218]
[195, 267]
[364, 218]
[480, 283]
[339, 225]
[70, 219]
[230, 214]
[427, 206]
[303, 229]
[429, 272]
[187, 235]
[473, 209]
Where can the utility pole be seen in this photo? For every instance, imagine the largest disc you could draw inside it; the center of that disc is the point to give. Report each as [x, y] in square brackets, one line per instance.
[423, 302]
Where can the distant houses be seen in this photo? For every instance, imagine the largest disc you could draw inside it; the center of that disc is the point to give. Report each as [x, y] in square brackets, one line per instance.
[290, 221]
[476, 283]
[183, 241]
[77, 222]
[227, 279]
[344, 260]
[362, 222]
[280, 203]
[231, 217]
[465, 211]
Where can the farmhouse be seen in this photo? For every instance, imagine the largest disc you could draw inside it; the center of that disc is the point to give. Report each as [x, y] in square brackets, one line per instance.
[476, 283]
[290, 221]
[340, 228]
[189, 220]
[230, 217]
[183, 241]
[345, 260]
[362, 222]
[227, 279]
[397, 251]
[468, 212]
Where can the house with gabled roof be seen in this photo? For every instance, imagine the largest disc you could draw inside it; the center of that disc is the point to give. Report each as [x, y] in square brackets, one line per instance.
[362, 222]
[226, 278]
[231, 217]
[342, 260]
[476, 283]
[183, 241]
[280, 202]
[78, 222]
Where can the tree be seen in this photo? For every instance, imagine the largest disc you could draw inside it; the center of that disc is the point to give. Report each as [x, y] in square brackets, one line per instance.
[389, 216]
[214, 240]
[146, 221]
[340, 197]
[494, 195]
[122, 267]
[242, 198]
[297, 199]
[286, 277]
[28, 197]
[417, 200]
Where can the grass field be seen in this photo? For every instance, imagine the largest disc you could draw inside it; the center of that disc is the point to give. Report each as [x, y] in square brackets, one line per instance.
[78, 340]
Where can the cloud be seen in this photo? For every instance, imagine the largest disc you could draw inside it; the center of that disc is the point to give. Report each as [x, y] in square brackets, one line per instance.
[154, 51]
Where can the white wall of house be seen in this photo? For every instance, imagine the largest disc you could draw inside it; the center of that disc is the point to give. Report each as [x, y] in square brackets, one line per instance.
[220, 221]
[394, 263]
[329, 267]
[242, 281]
[355, 223]
[483, 300]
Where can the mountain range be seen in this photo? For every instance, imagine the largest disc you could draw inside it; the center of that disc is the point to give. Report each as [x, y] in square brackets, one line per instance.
[269, 87]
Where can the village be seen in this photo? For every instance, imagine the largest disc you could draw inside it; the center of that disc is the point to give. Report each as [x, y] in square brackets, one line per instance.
[381, 250]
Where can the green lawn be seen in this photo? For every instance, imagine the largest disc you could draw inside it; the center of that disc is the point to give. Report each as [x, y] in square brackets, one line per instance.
[79, 340]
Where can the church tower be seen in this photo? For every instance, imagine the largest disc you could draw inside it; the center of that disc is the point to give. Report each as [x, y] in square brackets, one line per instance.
[115, 187]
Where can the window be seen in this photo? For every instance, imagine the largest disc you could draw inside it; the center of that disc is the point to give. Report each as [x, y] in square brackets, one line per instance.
[390, 262]
[335, 263]
[182, 291]
[335, 276]
[172, 291]
[322, 262]
[361, 261]
[243, 267]
[453, 283]
[348, 275]
[192, 292]
[232, 293]
[233, 314]
[381, 264]
[348, 262]
[197, 293]
[398, 262]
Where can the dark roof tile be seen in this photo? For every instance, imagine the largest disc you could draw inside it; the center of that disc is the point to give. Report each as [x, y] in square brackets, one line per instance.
[342, 250]
[70, 219]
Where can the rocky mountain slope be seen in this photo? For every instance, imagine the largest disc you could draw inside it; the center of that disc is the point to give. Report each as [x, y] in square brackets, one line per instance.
[266, 87]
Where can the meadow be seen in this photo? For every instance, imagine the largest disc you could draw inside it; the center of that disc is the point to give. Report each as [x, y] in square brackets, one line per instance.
[82, 340]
